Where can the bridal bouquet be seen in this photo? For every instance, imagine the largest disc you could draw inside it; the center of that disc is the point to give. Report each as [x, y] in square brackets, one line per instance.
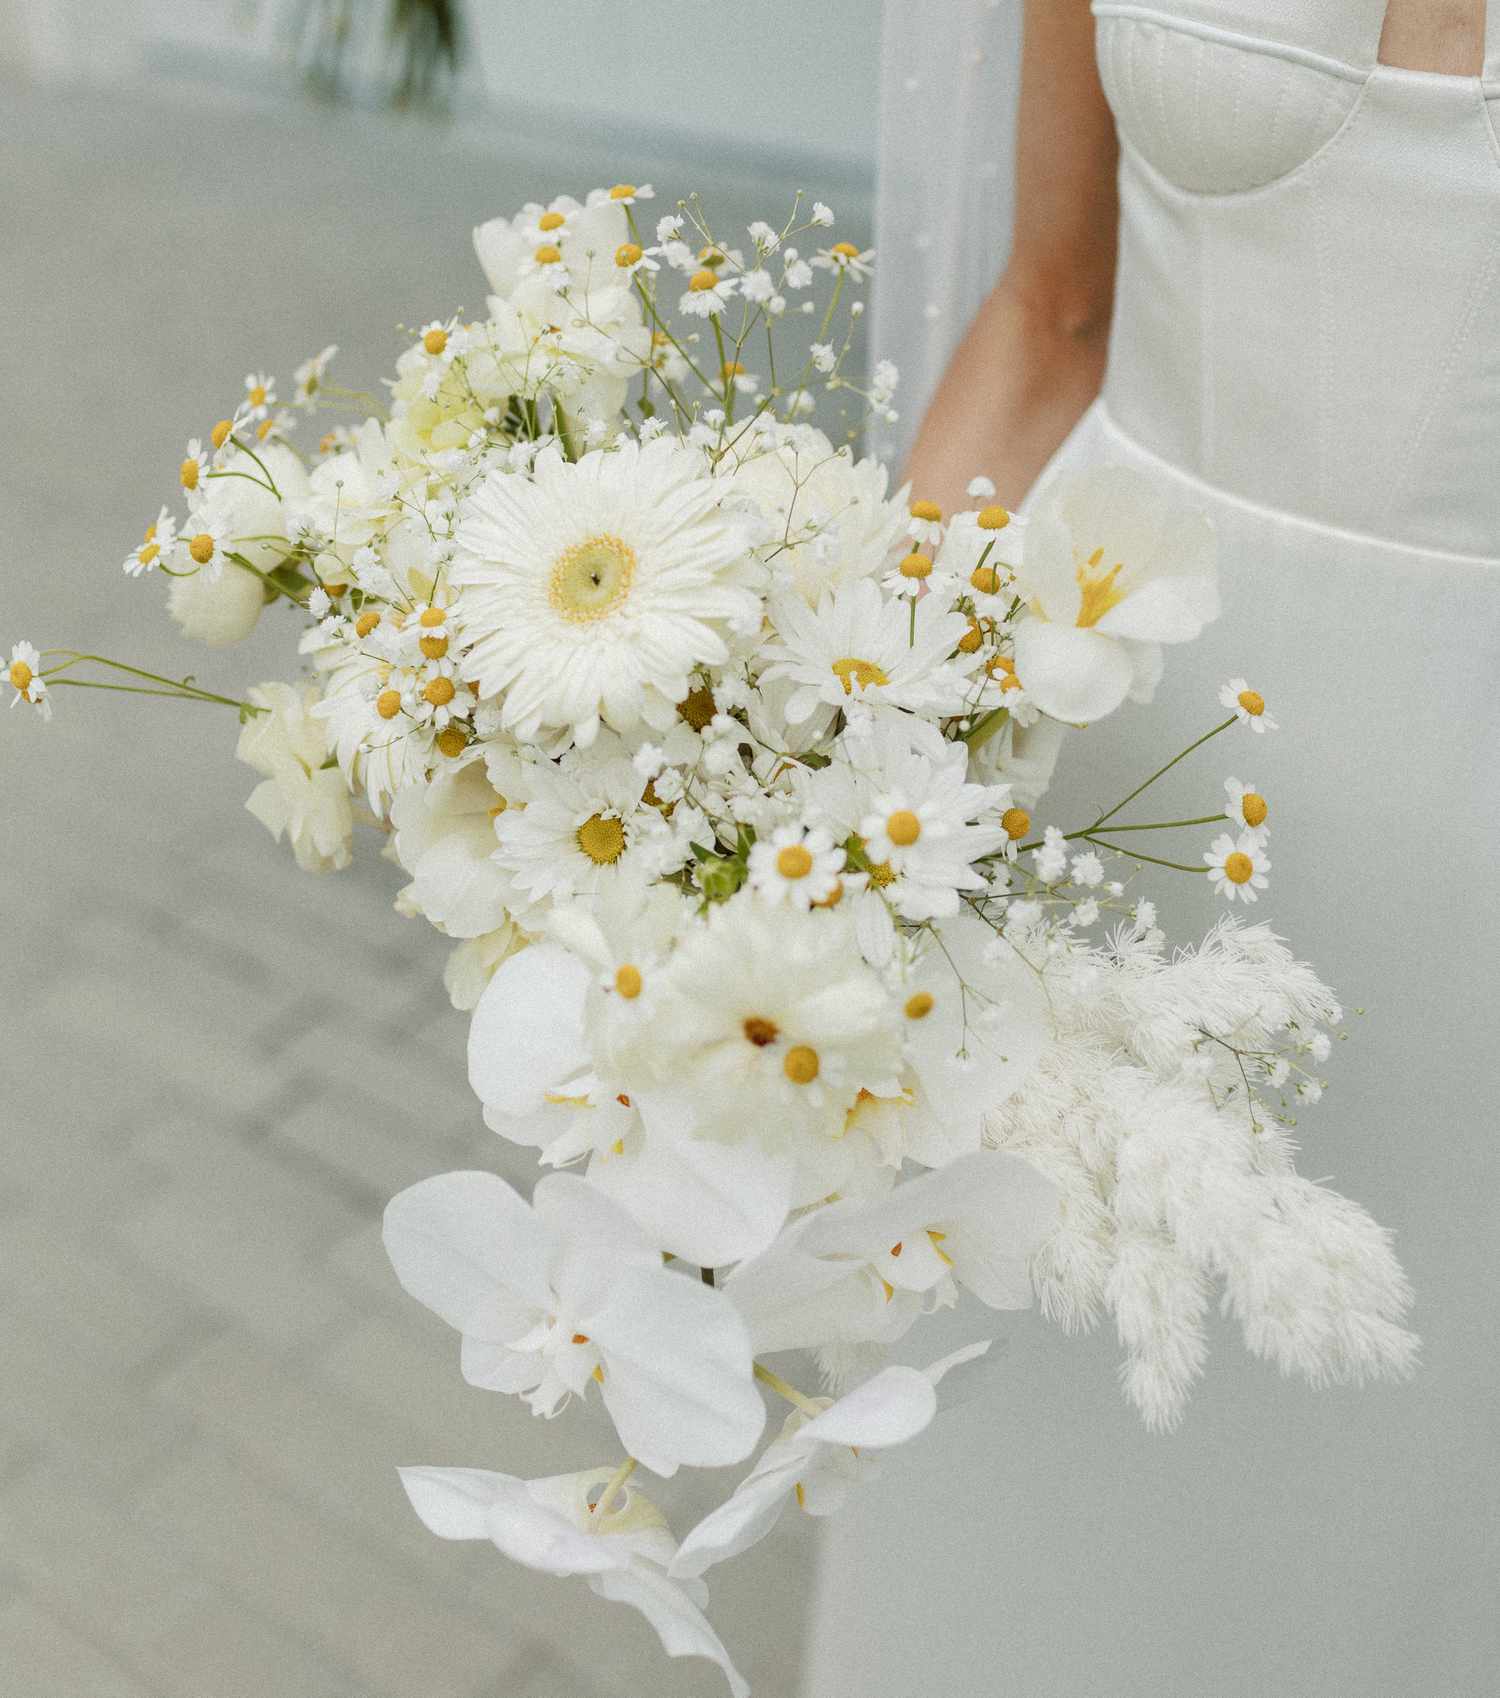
[720, 762]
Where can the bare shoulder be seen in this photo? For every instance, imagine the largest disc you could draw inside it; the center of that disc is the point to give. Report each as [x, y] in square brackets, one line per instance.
[1446, 36]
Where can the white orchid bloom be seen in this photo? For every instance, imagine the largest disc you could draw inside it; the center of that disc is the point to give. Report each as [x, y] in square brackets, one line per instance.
[819, 1459]
[1112, 570]
[531, 1066]
[859, 1271]
[567, 1290]
[552, 1525]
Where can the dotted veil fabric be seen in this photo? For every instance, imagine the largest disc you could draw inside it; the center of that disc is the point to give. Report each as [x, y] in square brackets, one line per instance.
[1306, 342]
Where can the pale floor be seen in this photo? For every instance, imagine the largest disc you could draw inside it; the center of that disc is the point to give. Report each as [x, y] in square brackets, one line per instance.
[213, 1069]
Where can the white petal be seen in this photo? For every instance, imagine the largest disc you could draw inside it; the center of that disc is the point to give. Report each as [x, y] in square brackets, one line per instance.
[677, 1371]
[454, 1503]
[527, 1033]
[746, 1517]
[470, 1249]
[890, 1409]
[680, 1625]
[1071, 672]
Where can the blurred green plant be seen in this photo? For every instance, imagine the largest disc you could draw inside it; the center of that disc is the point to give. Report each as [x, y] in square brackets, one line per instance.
[424, 49]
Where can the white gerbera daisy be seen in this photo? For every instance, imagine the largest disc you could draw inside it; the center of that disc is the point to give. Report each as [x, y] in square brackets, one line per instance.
[1238, 866]
[596, 587]
[1246, 807]
[1247, 705]
[861, 647]
[797, 866]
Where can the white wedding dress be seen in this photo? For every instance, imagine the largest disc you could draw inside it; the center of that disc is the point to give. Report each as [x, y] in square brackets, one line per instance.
[1306, 342]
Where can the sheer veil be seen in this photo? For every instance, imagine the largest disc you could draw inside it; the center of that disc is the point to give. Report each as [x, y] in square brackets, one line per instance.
[949, 83]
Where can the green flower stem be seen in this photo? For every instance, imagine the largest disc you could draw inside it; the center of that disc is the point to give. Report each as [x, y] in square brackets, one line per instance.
[178, 687]
[1136, 855]
[978, 735]
[782, 1389]
[1161, 771]
[245, 448]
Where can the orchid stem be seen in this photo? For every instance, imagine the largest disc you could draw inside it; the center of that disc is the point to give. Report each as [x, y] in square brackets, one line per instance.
[767, 1377]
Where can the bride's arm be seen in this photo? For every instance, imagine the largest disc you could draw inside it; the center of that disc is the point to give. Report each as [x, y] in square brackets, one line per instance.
[1034, 357]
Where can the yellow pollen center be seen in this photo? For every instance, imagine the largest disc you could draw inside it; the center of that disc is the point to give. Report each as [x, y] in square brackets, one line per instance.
[1238, 867]
[903, 828]
[202, 548]
[696, 709]
[845, 250]
[928, 510]
[1252, 701]
[433, 647]
[985, 579]
[439, 692]
[916, 566]
[434, 341]
[794, 861]
[971, 640]
[147, 553]
[187, 474]
[851, 671]
[801, 1064]
[993, 518]
[882, 874]
[592, 578]
[1098, 590]
[258, 395]
[760, 1031]
[388, 704]
[733, 368]
[918, 1007]
[1009, 682]
[366, 622]
[1016, 822]
[546, 254]
[628, 253]
[221, 432]
[551, 221]
[628, 981]
[622, 191]
[702, 280]
[602, 840]
[1253, 807]
[21, 676]
[451, 742]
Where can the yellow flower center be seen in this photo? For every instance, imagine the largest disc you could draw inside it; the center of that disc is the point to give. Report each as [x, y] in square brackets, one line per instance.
[451, 742]
[851, 671]
[801, 1064]
[702, 280]
[592, 578]
[546, 254]
[985, 579]
[1252, 701]
[628, 981]
[1254, 808]
[439, 692]
[696, 709]
[21, 676]
[916, 566]
[834, 896]
[221, 432]
[845, 250]
[431, 617]
[993, 518]
[970, 641]
[760, 1032]
[202, 548]
[628, 253]
[366, 622]
[1238, 867]
[257, 395]
[1009, 682]
[187, 473]
[1016, 823]
[918, 1007]
[147, 552]
[435, 340]
[433, 647]
[622, 191]
[551, 221]
[882, 874]
[1099, 591]
[794, 861]
[602, 840]
[928, 510]
[388, 704]
[732, 368]
[903, 828]
[264, 428]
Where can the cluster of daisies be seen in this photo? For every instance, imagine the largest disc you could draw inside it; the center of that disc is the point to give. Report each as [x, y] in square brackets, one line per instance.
[718, 761]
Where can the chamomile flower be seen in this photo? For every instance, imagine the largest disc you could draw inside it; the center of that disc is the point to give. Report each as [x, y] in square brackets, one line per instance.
[1247, 705]
[845, 258]
[200, 545]
[622, 194]
[1246, 807]
[308, 377]
[194, 469]
[1237, 867]
[707, 294]
[925, 523]
[160, 539]
[260, 395]
[631, 258]
[796, 865]
[24, 676]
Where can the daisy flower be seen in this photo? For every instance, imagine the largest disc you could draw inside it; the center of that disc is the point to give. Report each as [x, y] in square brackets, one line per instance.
[631, 257]
[596, 587]
[194, 468]
[859, 647]
[845, 257]
[926, 523]
[707, 293]
[623, 194]
[199, 547]
[24, 676]
[260, 394]
[1246, 807]
[160, 539]
[797, 866]
[309, 376]
[1247, 705]
[1237, 867]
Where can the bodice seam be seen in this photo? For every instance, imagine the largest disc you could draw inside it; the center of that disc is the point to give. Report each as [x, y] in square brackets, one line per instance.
[1262, 45]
